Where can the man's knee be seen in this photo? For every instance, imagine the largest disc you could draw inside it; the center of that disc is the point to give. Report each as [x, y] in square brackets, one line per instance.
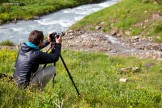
[51, 69]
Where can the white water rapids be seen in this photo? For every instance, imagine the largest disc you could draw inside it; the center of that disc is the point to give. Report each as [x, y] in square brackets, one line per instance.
[55, 22]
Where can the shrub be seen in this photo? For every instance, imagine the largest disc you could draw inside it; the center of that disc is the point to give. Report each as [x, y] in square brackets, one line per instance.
[7, 43]
[4, 16]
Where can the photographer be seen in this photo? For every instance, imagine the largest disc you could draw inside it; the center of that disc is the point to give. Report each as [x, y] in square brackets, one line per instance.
[27, 68]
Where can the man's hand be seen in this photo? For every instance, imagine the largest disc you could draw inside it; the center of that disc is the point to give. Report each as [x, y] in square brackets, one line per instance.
[49, 39]
[58, 39]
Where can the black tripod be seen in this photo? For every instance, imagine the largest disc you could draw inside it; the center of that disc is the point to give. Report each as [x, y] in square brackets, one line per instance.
[71, 78]
[69, 75]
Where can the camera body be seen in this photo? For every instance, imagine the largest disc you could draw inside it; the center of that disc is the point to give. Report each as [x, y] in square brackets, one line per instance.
[56, 35]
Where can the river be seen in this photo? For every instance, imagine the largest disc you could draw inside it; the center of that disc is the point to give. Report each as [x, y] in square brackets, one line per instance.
[55, 22]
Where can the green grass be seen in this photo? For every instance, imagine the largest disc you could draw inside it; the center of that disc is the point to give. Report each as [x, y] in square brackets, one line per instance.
[97, 78]
[33, 8]
[126, 15]
[95, 74]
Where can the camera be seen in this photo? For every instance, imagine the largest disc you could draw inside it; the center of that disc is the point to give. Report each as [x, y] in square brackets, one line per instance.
[56, 35]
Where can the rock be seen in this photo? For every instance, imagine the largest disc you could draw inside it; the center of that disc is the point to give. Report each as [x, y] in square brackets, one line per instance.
[146, 21]
[70, 31]
[114, 32]
[135, 69]
[14, 21]
[156, 16]
[119, 35]
[128, 33]
[123, 80]
[152, 46]
[148, 64]
[125, 70]
[98, 27]
[113, 51]
[135, 38]
[36, 18]
[71, 34]
[122, 70]
[102, 23]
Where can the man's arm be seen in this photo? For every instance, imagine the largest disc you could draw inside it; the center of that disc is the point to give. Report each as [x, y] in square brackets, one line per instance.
[54, 56]
[46, 42]
[45, 58]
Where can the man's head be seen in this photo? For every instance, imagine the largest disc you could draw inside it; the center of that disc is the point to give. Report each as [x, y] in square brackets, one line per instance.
[36, 37]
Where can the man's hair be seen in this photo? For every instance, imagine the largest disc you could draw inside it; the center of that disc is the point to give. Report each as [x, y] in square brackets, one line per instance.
[36, 37]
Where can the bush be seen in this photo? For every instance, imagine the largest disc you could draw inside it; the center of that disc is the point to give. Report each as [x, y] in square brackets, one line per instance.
[4, 16]
[7, 43]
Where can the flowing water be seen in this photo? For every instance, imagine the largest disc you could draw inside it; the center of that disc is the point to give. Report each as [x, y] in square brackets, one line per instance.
[55, 22]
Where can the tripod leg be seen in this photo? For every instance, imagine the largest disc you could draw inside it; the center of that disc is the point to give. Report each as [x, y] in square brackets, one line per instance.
[70, 76]
[53, 80]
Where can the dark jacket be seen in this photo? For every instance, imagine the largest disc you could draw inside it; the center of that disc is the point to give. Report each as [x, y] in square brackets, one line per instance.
[28, 61]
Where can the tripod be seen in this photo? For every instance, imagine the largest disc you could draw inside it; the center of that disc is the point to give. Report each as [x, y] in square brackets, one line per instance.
[71, 78]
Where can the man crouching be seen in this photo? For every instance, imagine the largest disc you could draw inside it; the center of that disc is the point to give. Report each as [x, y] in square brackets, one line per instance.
[27, 68]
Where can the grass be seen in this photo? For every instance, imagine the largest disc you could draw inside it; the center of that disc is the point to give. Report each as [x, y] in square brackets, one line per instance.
[32, 8]
[135, 16]
[95, 74]
[97, 78]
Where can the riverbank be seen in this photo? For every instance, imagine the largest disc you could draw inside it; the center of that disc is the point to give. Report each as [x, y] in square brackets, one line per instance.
[33, 9]
[131, 28]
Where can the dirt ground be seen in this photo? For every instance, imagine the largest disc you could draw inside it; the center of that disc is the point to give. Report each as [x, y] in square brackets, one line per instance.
[123, 46]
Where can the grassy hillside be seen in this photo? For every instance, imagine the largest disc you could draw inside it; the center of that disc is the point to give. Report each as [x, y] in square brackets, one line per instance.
[131, 17]
[97, 78]
[32, 8]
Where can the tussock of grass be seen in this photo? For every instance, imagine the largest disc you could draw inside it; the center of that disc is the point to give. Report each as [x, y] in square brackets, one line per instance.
[97, 78]
[135, 16]
[7, 43]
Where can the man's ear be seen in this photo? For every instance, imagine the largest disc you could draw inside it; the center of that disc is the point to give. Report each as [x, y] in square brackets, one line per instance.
[40, 41]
